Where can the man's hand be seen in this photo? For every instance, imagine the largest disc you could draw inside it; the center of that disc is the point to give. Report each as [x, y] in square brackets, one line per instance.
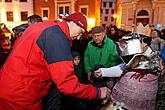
[105, 92]
[97, 73]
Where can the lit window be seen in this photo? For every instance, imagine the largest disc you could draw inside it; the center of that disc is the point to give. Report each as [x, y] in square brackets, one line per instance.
[24, 16]
[9, 16]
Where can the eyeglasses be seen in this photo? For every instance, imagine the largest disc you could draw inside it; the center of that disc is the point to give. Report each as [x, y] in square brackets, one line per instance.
[82, 31]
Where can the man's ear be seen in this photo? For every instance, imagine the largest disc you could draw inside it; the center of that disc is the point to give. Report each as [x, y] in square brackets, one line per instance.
[104, 34]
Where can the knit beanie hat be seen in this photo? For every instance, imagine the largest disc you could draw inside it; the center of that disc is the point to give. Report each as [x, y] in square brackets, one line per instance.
[79, 19]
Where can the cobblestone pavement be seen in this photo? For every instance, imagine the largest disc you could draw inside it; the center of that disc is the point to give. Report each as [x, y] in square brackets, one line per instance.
[161, 94]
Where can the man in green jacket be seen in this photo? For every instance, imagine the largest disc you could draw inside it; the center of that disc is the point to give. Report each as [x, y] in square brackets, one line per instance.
[100, 51]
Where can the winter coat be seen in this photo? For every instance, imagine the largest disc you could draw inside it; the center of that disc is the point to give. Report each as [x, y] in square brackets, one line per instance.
[79, 69]
[106, 55]
[41, 55]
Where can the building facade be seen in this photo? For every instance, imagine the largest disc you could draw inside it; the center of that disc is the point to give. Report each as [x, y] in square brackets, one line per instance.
[150, 12]
[45, 9]
[108, 12]
[90, 8]
[15, 12]
[51, 9]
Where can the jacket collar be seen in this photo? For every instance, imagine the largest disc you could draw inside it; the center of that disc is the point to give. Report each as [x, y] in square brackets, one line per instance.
[99, 46]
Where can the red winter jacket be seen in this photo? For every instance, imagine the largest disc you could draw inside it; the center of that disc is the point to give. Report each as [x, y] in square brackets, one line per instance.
[41, 55]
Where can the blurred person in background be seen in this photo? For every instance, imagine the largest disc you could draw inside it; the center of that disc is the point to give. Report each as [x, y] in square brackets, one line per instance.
[18, 30]
[163, 49]
[34, 19]
[113, 33]
[156, 43]
[78, 67]
[80, 45]
[2, 51]
[72, 103]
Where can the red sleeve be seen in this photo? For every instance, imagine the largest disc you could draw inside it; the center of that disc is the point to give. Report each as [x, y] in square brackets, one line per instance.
[62, 73]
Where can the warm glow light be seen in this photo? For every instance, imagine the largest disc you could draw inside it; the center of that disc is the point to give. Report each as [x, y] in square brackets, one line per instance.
[118, 13]
[16, 14]
[91, 23]
[3, 15]
[115, 16]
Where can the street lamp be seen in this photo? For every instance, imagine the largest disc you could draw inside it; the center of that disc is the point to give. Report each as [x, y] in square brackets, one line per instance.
[91, 23]
[115, 17]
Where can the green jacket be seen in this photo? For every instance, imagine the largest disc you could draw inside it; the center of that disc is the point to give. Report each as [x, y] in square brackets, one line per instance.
[106, 55]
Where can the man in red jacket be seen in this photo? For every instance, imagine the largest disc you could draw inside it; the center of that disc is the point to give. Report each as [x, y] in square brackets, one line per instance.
[43, 56]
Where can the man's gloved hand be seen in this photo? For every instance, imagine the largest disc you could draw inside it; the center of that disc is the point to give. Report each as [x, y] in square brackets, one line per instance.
[122, 66]
[105, 92]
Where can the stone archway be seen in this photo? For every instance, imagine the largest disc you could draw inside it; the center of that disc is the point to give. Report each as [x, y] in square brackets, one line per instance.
[143, 17]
